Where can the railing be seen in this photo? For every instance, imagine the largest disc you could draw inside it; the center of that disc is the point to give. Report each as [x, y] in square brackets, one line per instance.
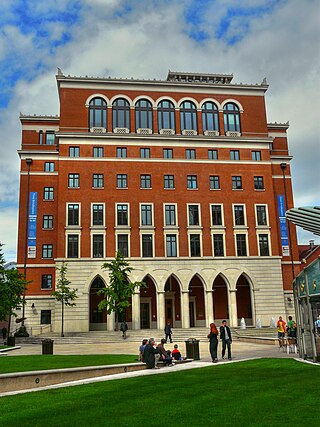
[40, 329]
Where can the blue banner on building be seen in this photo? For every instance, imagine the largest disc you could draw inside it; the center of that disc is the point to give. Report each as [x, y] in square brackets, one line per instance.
[283, 226]
[32, 224]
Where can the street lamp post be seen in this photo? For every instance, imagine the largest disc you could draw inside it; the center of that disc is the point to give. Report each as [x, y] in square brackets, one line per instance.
[28, 162]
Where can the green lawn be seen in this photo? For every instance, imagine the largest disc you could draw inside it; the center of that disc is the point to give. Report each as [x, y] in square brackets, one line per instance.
[267, 392]
[48, 361]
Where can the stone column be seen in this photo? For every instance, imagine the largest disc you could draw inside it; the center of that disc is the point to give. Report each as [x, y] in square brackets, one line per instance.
[110, 322]
[233, 314]
[136, 310]
[161, 318]
[209, 308]
[185, 315]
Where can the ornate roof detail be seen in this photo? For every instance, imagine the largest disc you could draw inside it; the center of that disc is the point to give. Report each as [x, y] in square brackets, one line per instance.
[36, 117]
[174, 76]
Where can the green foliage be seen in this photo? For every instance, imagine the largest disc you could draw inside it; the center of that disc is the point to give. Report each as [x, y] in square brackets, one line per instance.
[12, 288]
[63, 293]
[117, 294]
[21, 332]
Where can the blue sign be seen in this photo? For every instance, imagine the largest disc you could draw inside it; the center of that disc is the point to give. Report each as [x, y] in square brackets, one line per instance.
[283, 226]
[32, 224]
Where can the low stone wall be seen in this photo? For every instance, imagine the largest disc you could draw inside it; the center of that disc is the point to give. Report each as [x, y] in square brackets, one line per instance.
[258, 340]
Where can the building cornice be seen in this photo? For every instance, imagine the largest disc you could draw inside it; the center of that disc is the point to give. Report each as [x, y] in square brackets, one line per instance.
[35, 118]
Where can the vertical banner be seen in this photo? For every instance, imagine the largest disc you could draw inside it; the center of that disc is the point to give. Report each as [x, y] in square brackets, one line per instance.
[283, 226]
[32, 224]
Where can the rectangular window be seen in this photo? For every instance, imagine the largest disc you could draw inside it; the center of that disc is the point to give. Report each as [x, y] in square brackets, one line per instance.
[50, 138]
[195, 245]
[145, 181]
[97, 180]
[123, 244]
[170, 215]
[218, 245]
[47, 251]
[73, 214]
[121, 152]
[236, 182]
[74, 151]
[264, 245]
[192, 182]
[239, 218]
[213, 154]
[146, 214]
[168, 181]
[40, 137]
[258, 183]
[234, 155]
[168, 153]
[122, 214]
[97, 214]
[194, 218]
[49, 166]
[147, 250]
[256, 155]
[171, 245]
[97, 245]
[216, 215]
[73, 246]
[122, 181]
[190, 154]
[241, 245]
[145, 153]
[97, 151]
[48, 193]
[261, 215]
[74, 180]
[47, 221]
[214, 182]
[46, 281]
[45, 317]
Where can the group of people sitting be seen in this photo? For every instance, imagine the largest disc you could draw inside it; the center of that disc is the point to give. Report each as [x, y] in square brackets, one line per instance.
[151, 354]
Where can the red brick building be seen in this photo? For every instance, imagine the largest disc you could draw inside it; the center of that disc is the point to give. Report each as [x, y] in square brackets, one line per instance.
[182, 176]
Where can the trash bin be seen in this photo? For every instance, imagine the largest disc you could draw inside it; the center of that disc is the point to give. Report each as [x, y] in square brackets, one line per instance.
[47, 346]
[11, 341]
[192, 349]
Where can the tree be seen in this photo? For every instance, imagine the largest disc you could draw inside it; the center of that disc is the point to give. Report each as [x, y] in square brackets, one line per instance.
[12, 288]
[117, 294]
[63, 293]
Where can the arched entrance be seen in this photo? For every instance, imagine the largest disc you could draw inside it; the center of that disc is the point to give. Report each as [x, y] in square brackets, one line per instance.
[244, 303]
[220, 300]
[196, 303]
[148, 305]
[172, 302]
[98, 318]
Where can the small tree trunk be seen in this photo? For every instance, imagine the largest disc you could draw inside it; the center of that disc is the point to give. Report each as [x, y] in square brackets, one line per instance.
[9, 326]
[62, 319]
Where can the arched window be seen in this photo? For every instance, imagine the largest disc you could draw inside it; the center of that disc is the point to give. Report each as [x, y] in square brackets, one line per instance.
[231, 115]
[144, 114]
[188, 116]
[166, 115]
[210, 119]
[120, 113]
[98, 113]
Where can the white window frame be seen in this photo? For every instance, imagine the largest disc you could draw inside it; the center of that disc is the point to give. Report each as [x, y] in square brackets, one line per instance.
[222, 215]
[95, 233]
[256, 216]
[267, 232]
[165, 243]
[116, 215]
[235, 242]
[144, 232]
[194, 231]
[73, 227]
[152, 214]
[222, 232]
[188, 217]
[164, 216]
[237, 226]
[104, 214]
[129, 241]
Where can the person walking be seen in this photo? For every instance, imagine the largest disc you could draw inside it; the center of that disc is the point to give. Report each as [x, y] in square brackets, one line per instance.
[168, 332]
[225, 336]
[4, 333]
[213, 337]
[123, 329]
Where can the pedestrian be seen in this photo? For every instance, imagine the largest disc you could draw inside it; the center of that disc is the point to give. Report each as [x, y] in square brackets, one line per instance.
[168, 332]
[123, 329]
[317, 325]
[213, 337]
[291, 328]
[141, 349]
[151, 355]
[281, 327]
[225, 336]
[4, 333]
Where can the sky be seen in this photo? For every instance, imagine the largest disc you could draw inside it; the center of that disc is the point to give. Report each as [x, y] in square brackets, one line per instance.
[253, 39]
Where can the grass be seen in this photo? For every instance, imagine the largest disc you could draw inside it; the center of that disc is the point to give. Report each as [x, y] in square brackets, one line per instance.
[265, 392]
[48, 361]
[3, 346]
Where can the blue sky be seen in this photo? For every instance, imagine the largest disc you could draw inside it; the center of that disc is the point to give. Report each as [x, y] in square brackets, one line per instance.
[253, 39]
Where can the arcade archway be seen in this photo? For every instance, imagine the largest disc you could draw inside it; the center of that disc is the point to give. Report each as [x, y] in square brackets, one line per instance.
[220, 300]
[172, 302]
[196, 303]
[244, 303]
[98, 318]
[148, 305]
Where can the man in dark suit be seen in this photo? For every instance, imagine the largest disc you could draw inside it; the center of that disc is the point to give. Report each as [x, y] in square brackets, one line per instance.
[225, 336]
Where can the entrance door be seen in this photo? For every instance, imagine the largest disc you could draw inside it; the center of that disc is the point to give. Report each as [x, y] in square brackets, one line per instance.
[169, 311]
[144, 315]
[191, 311]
